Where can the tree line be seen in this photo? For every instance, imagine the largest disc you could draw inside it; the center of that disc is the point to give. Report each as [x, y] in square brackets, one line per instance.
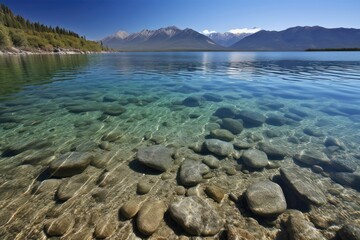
[19, 32]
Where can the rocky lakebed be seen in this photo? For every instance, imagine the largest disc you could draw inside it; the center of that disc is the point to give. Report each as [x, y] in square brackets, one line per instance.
[177, 161]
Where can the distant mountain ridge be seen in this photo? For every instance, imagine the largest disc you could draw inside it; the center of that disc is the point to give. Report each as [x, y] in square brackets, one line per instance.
[163, 39]
[300, 39]
[229, 38]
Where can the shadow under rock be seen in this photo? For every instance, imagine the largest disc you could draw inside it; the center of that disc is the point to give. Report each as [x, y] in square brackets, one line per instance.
[136, 166]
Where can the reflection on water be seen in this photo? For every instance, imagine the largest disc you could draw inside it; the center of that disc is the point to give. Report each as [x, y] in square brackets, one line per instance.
[71, 128]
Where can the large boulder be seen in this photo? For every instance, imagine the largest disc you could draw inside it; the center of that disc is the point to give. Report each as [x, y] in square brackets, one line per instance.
[233, 125]
[196, 217]
[312, 157]
[251, 119]
[255, 158]
[157, 157]
[347, 179]
[305, 188]
[349, 231]
[266, 198]
[218, 147]
[70, 164]
[191, 172]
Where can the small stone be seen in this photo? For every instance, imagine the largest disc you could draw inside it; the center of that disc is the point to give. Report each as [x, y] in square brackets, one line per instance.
[191, 172]
[150, 216]
[209, 175]
[233, 125]
[266, 198]
[59, 226]
[196, 217]
[157, 157]
[215, 192]
[222, 134]
[313, 132]
[331, 141]
[193, 101]
[105, 146]
[226, 112]
[211, 161]
[180, 190]
[166, 176]
[218, 147]
[130, 208]
[67, 190]
[143, 187]
[104, 228]
[114, 110]
[234, 233]
[255, 158]
[112, 136]
[231, 171]
[317, 169]
[350, 232]
[70, 164]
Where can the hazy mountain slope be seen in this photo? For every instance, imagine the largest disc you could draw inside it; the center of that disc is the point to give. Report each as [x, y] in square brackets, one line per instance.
[300, 38]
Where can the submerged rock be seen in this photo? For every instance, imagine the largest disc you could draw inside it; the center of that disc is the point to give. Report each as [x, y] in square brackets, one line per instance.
[300, 229]
[233, 125]
[234, 233]
[255, 158]
[218, 147]
[193, 101]
[312, 157]
[191, 172]
[251, 119]
[196, 217]
[130, 208]
[70, 164]
[226, 112]
[266, 198]
[222, 134]
[150, 216]
[349, 231]
[59, 226]
[302, 186]
[215, 192]
[272, 151]
[211, 161]
[347, 179]
[157, 157]
[343, 165]
[313, 132]
[212, 97]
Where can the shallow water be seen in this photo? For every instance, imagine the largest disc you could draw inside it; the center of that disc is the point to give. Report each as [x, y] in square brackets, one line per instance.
[51, 105]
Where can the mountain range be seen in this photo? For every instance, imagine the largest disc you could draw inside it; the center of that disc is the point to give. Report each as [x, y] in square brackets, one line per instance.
[163, 39]
[291, 39]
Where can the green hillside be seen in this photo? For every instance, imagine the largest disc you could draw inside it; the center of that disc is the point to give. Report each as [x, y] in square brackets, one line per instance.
[15, 31]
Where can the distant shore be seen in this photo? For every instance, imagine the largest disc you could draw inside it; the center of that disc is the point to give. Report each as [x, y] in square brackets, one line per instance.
[56, 51]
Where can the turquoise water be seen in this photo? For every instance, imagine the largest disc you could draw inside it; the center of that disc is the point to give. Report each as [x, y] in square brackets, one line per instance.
[111, 105]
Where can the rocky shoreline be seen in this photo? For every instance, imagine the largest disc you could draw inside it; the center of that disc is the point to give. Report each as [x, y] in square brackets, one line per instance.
[57, 51]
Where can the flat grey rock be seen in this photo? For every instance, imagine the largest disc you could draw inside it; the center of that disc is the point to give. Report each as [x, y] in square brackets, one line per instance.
[191, 172]
[302, 186]
[222, 134]
[300, 229]
[312, 157]
[255, 158]
[251, 119]
[272, 151]
[157, 157]
[218, 147]
[196, 217]
[70, 164]
[266, 198]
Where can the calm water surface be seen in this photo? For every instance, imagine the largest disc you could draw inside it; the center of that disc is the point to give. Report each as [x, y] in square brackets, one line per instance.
[110, 105]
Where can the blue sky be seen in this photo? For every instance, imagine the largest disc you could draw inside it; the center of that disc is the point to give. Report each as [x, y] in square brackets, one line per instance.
[98, 18]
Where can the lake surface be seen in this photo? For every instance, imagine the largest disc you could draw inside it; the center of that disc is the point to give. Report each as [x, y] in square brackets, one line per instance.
[301, 108]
